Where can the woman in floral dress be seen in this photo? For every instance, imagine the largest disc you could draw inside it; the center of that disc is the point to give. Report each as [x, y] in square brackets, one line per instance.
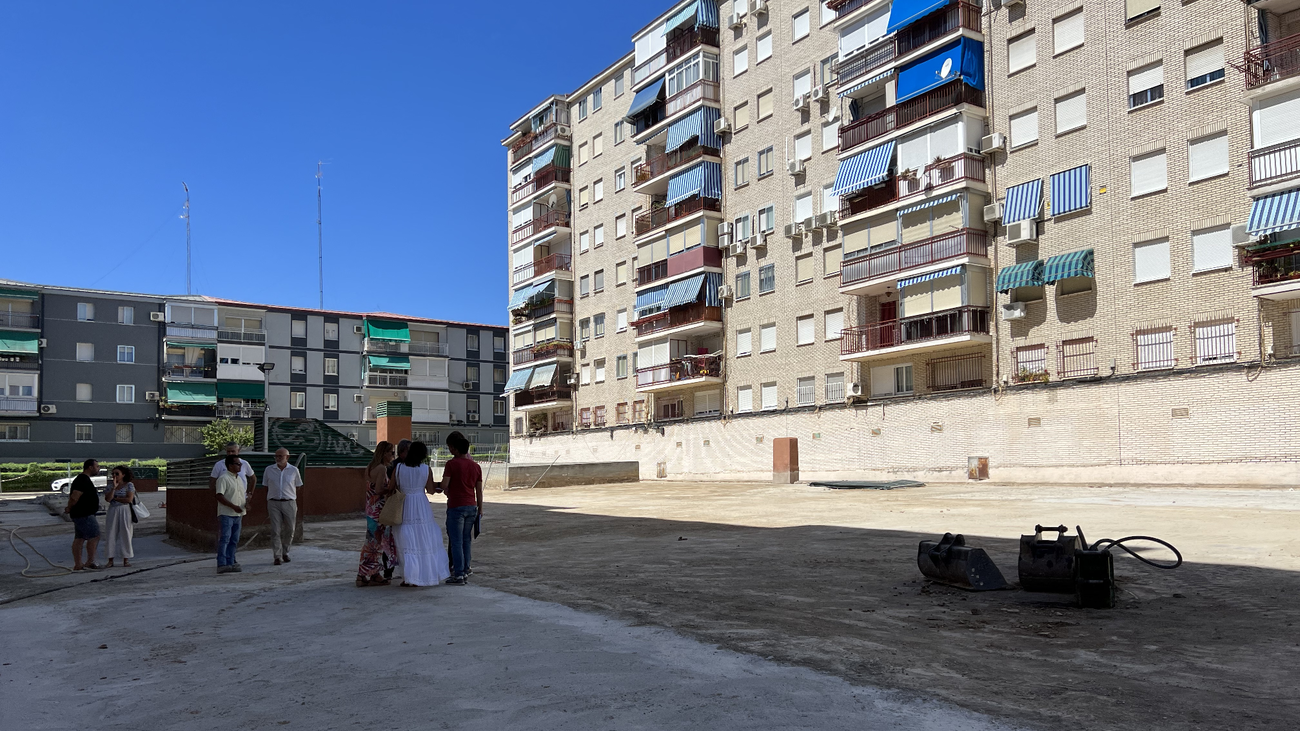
[379, 554]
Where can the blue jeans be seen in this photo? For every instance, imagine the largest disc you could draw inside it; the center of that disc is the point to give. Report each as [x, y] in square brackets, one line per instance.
[460, 536]
[228, 539]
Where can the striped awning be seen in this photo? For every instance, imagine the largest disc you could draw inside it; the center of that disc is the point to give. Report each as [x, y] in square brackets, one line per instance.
[518, 380]
[1028, 274]
[644, 99]
[863, 169]
[1024, 202]
[19, 294]
[1064, 266]
[1276, 212]
[683, 291]
[712, 280]
[520, 296]
[705, 179]
[543, 376]
[706, 15]
[650, 299]
[543, 292]
[929, 204]
[681, 16]
[545, 158]
[696, 124]
[19, 342]
[927, 277]
[864, 84]
[391, 362]
[192, 394]
[1071, 190]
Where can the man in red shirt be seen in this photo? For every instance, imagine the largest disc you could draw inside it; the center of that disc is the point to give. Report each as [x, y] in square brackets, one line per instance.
[462, 482]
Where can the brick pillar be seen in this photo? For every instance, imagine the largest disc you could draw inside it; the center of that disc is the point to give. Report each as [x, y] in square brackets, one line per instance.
[393, 419]
[785, 460]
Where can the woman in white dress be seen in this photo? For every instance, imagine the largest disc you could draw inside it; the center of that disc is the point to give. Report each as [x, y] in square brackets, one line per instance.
[120, 529]
[419, 538]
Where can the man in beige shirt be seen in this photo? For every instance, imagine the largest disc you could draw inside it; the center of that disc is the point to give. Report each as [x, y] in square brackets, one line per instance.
[231, 497]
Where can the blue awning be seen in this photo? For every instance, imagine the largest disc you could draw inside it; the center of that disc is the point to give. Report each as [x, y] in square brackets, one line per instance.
[681, 16]
[707, 14]
[705, 179]
[644, 99]
[1073, 264]
[1024, 202]
[928, 204]
[518, 379]
[1071, 190]
[1028, 274]
[652, 298]
[962, 59]
[1276, 212]
[520, 296]
[863, 169]
[684, 291]
[864, 84]
[696, 124]
[927, 277]
[545, 158]
[712, 280]
[905, 12]
[543, 376]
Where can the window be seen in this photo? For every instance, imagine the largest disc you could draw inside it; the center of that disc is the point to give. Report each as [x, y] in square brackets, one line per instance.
[618, 132]
[298, 400]
[1146, 85]
[767, 338]
[769, 396]
[742, 285]
[598, 191]
[331, 331]
[1148, 174]
[763, 48]
[331, 366]
[827, 67]
[1030, 363]
[584, 329]
[620, 366]
[15, 432]
[584, 242]
[740, 172]
[83, 392]
[1212, 249]
[125, 433]
[1207, 157]
[620, 179]
[85, 352]
[183, 434]
[498, 375]
[618, 86]
[85, 311]
[582, 109]
[584, 196]
[744, 342]
[834, 324]
[598, 280]
[766, 278]
[596, 97]
[803, 146]
[1077, 358]
[741, 116]
[297, 364]
[126, 354]
[598, 236]
[744, 399]
[834, 387]
[802, 83]
[600, 370]
[586, 375]
[1204, 64]
[1151, 261]
[1067, 32]
[767, 218]
[1024, 128]
[620, 226]
[830, 135]
[803, 208]
[498, 407]
[764, 162]
[298, 329]
[828, 13]
[1216, 342]
[83, 432]
[765, 105]
[1155, 349]
[471, 343]
[620, 273]
[330, 402]
[499, 343]
[126, 394]
[805, 391]
[126, 315]
[740, 61]
[799, 25]
[583, 153]
[598, 324]
[742, 228]
[891, 380]
[584, 285]
[1021, 53]
[1134, 9]
[805, 330]
[831, 258]
[708, 403]
[803, 269]
[1071, 112]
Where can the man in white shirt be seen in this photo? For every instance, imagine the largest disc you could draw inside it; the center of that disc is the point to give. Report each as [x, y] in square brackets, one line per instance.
[245, 470]
[282, 482]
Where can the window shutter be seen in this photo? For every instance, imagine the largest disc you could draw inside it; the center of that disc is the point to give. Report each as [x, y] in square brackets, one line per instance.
[803, 207]
[767, 338]
[740, 61]
[764, 105]
[803, 268]
[1071, 112]
[1212, 248]
[1151, 261]
[1134, 8]
[831, 259]
[805, 330]
[744, 399]
[803, 83]
[744, 342]
[769, 395]
[834, 324]
[1205, 59]
[1020, 52]
[1275, 120]
[913, 154]
[853, 37]
[1208, 156]
[882, 381]
[1148, 173]
[1024, 128]
[1067, 32]
[803, 146]
[1146, 77]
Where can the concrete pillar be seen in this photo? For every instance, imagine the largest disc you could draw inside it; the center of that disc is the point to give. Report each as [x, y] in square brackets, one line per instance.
[393, 419]
[785, 460]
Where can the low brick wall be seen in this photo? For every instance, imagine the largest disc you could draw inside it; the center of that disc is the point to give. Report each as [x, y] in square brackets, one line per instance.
[574, 473]
[141, 485]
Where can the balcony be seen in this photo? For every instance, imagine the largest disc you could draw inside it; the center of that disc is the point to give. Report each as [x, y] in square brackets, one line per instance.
[696, 257]
[679, 45]
[916, 36]
[536, 140]
[553, 307]
[545, 265]
[687, 371]
[544, 222]
[386, 380]
[949, 96]
[845, 7]
[385, 346]
[1271, 61]
[17, 405]
[658, 166]
[957, 168]
[241, 336]
[876, 270]
[1276, 272]
[240, 409]
[189, 330]
[419, 347]
[541, 180]
[26, 320]
[542, 397]
[701, 90]
[183, 370]
[543, 351]
[938, 329]
[651, 220]
[869, 199]
[1275, 164]
[864, 62]
[683, 317]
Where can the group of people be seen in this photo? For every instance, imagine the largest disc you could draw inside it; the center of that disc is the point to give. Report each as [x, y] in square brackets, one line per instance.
[232, 481]
[83, 509]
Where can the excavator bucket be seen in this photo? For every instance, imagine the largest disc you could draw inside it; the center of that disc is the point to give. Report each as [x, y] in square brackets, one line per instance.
[950, 561]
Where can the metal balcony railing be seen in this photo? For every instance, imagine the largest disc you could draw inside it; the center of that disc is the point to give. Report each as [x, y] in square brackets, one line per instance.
[385, 346]
[907, 331]
[534, 396]
[892, 261]
[701, 90]
[545, 265]
[420, 347]
[1271, 61]
[938, 24]
[1275, 164]
[542, 351]
[240, 409]
[241, 336]
[181, 370]
[1273, 267]
[651, 220]
[27, 320]
[656, 166]
[932, 102]
[541, 180]
[677, 317]
[678, 45]
[386, 380]
[844, 7]
[18, 405]
[543, 222]
[681, 369]
[545, 309]
[535, 140]
[188, 330]
[869, 199]
[651, 272]
[860, 64]
[965, 166]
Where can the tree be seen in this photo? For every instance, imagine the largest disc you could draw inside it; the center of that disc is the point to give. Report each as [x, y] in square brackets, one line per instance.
[219, 433]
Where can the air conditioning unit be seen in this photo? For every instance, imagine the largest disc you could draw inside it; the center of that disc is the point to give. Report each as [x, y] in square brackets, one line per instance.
[808, 223]
[792, 231]
[818, 93]
[721, 126]
[725, 292]
[993, 212]
[760, 7]
[795, 167]
[735, 20]
[564, 130]
[1013, 310]
[358, 398]
[724, 241]
[1022, 231]
[157, 317]
[724, 228]
[739, 247]
[801, 102]
[42, 342]
[995, 142]
[826, 219]
[572, 380]
[150, 395]
[469, 385]
[854, 389]
[357, 329]
[49, 409]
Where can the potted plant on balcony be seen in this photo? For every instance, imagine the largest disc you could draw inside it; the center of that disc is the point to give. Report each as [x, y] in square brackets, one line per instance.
[1027, 376]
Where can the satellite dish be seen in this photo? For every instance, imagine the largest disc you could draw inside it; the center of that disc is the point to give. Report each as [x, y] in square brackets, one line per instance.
[946, 71]
[834, 113]
[550, 202]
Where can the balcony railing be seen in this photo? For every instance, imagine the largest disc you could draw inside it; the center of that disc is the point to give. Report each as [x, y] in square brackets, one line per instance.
[930, 103]
[701, 90]
[537, 225]
[844, 7]
[180, 370]
[17, 405]
[535, 140]
[534, 396]
[965, 166]
[681, 369]
[546, 309]
[679, 45]
[911, 330]
[1272, 61]
[691, 259]
[241, 336]
[651, 272]
[677, 317]
[964, 242]
[656, 166]
[20, 319]
[542, 351]
[1279, 265]
[187, 330]
[651, 220]
[1275, 164]
[240, 409]
[386, 380]
[936, 25]
[860, 64]
[545, 265]
[420, 347]
[385, 346]
[540, 181]
[869, 199]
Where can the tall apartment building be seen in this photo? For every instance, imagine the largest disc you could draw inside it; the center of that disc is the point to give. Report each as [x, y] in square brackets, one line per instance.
[784, 206]
[122, 375]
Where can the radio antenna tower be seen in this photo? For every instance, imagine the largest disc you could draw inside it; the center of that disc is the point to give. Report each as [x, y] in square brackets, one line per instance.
[320, 240]
[189, 258]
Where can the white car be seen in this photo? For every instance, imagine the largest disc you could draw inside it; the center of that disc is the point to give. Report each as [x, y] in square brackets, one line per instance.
[64, 484]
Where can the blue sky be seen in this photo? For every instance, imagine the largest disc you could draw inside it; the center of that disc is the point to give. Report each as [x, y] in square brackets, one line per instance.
[106, 107]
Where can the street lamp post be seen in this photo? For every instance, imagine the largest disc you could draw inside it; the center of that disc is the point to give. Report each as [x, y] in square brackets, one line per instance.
[266, 369]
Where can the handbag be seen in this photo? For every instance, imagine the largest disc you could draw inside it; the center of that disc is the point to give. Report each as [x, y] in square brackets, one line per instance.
[138, 511]
[391, 513]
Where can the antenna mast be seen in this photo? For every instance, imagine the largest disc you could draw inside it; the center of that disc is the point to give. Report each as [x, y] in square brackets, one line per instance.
[189, 258]
[320, 240]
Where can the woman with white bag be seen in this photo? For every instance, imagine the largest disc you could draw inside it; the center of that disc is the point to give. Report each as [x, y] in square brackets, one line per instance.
[121, 517]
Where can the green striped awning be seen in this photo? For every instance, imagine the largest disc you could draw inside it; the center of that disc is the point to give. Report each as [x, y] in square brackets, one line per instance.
[19, 294]
[391, 362]
[1028, 274]
[1073, 264]
[193, 342]
[242, 390]
[388, 330]
[192, 393]
[18, 342]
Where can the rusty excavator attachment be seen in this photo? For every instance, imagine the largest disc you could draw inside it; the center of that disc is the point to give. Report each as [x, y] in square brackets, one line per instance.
[950, 561]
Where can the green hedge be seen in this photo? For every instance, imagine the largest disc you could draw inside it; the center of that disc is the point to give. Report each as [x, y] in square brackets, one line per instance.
[37, 476]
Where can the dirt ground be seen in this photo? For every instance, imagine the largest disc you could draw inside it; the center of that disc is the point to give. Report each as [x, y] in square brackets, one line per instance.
[827, 579]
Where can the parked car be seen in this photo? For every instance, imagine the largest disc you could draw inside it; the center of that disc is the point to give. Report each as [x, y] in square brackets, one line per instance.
[64, 484]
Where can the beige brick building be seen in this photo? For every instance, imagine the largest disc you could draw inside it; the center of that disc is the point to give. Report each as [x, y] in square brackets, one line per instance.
[769, 213]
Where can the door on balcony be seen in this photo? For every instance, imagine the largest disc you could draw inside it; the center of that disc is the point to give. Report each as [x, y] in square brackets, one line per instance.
[888, 316]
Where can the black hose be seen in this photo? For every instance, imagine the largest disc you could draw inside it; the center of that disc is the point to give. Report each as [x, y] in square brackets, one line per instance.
[1118, 543]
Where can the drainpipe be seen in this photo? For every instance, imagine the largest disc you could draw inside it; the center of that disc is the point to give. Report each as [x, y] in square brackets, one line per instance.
[993, 188]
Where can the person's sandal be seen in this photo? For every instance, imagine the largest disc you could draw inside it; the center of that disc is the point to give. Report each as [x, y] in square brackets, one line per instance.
[362, 582]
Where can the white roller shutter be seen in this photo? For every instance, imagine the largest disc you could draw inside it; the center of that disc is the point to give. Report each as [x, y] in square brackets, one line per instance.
[1275, 120]
[708, 402]
[521, 216]
[877, 24]
[1021, 53]
[1204, 60]
[882, 381]
[1071, 112]
[1208, 156]
[945, 140]
[1150, 261]
[834, 324]
[1148, 174]
[652, 354]
[1134, 8]
[803, 83]
[805, 330]
[767, 338]
[769, 395]
[913, 154]
[744, 342]
[1067, 32]
[1147, 77]
[1212, 248]
[1024, 128]
[744, 399]
[854, 37]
